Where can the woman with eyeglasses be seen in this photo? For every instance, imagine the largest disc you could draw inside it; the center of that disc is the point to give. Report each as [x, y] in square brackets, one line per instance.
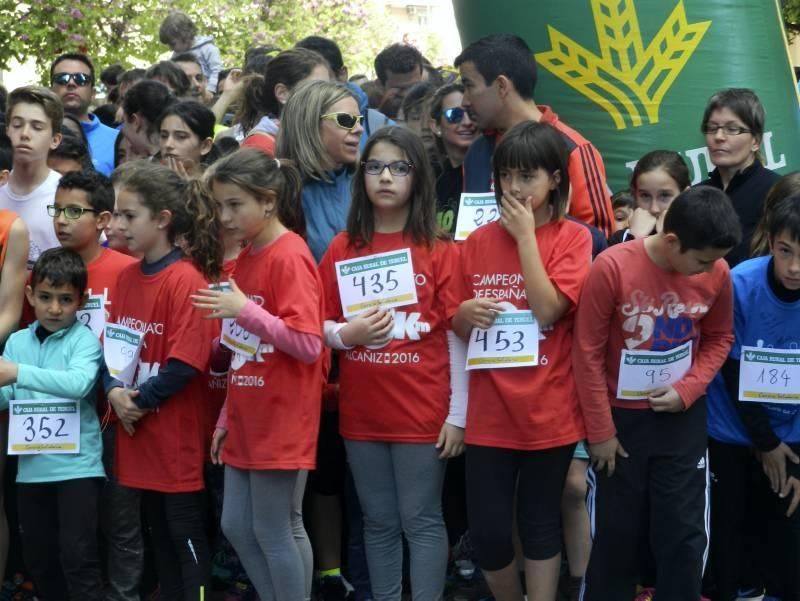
[454, 132]
[733, 125]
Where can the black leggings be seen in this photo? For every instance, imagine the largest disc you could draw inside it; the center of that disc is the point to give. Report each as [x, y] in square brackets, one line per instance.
[58, 522]
[180, 543]
[494, 477]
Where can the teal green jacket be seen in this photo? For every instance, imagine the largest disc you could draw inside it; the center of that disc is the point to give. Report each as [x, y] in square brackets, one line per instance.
[66, 366]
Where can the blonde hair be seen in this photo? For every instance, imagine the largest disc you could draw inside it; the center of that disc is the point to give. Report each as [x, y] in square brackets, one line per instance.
[299, 136]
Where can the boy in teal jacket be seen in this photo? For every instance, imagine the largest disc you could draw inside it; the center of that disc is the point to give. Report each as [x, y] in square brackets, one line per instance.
[57, 360]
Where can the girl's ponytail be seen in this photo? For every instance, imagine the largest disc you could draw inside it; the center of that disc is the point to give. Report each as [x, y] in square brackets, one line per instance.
[202, 240]
[290, 205]
[194, 225]
[259, 175]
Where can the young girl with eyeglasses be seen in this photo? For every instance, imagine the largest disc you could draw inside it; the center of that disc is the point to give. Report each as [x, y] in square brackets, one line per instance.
[454, 131]
[398, 417]
[523, 422]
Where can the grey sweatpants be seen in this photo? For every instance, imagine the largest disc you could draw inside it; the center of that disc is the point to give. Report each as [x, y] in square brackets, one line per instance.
[262, 517]
[399, 486]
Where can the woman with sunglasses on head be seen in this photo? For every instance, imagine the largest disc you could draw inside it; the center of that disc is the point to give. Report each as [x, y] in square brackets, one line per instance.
[320, 130]
[454, 132]
[733, 125]
[321, 127]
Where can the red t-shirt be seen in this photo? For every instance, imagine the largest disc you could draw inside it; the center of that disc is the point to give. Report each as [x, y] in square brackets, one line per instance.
[167, 451]
[401, 392]
[526, 408]
[631, 303]
[273, 399]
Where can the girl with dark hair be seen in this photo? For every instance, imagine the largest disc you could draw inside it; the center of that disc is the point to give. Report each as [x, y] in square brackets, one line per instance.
[398, 418]
[453, 131]
[187, 132]
[267, 431]
[162, 438]
[657, 179]
[142, 106]
[523, 422]
[263, 98]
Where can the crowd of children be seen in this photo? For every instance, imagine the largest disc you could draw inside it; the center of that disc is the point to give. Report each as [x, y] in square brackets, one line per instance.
[301, 328]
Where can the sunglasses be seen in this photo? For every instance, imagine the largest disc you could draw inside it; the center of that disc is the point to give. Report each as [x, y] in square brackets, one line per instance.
[454, 115]
[344, 120]
[70, 212]
[80, 79]
[398, 168]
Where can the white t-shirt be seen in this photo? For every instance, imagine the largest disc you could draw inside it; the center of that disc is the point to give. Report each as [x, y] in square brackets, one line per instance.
[32, 209]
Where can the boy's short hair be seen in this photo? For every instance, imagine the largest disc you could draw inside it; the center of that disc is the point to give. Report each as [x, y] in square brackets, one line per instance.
[176, 27]
[187, 57]
[784, 218]
[703, 217]
[326, 47]
[60, 266]
[622, 199]
[6, 152]
[503, 54]
[397, 58]
[111, 74]
[98, 188]
[72, 147]
[172, 75]
[72, 56]
[45, 98]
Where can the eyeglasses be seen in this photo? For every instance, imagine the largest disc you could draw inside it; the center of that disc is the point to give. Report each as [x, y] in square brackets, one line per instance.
[398, 168]
[80, 79]
[70, 212]
[454, 115]
[344, 120]
[728, 130]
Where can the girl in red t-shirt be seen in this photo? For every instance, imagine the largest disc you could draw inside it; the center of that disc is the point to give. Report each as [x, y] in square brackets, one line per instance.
[523, 422]
[161, 440]
[267, 432]
[397, 416]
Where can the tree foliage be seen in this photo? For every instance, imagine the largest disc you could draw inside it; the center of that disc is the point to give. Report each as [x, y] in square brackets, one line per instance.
[791, 16]
[125, 31]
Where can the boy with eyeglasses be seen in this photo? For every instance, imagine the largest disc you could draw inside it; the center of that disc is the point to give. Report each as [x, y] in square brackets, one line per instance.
[72, 79]
[82, 208]
[34, 115]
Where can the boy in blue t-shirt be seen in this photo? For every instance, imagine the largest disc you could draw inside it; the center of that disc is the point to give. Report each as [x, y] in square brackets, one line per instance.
[56, 359]
[766, 315]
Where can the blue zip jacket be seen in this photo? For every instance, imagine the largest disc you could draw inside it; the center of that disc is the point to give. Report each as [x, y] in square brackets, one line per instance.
[66, 365]
[101, 144]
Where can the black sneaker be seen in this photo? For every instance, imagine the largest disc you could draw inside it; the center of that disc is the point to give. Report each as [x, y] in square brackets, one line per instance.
[332, 588]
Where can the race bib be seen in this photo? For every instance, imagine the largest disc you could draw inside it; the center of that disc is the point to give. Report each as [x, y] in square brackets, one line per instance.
[121, 348]
[93, 314]
[512, 341]
[769, 375]
[44, 426]
[642, 372]
[239, 340]
[385, 280]
[475, 210]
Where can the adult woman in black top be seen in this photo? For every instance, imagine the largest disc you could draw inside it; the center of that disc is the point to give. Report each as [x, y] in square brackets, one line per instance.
[733, 125]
